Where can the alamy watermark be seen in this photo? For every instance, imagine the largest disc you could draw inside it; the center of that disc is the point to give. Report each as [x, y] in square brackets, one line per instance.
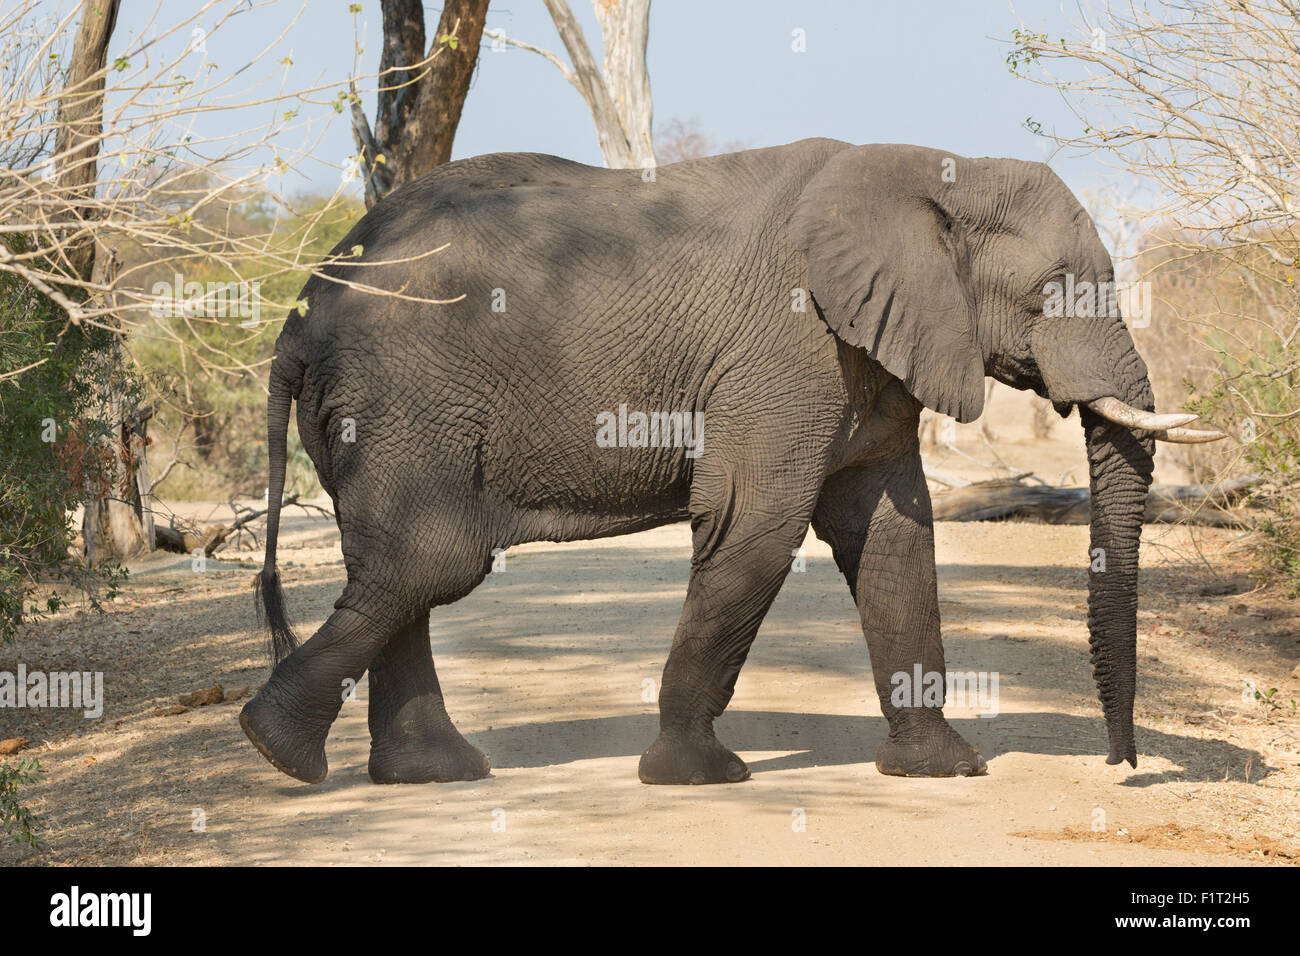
[624, 429]
[78, 690]
[74, 908]
[973, 690]
[1084, 299]
[212, 300]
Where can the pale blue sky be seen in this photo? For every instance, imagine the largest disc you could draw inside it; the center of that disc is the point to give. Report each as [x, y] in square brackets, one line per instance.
[930, 72]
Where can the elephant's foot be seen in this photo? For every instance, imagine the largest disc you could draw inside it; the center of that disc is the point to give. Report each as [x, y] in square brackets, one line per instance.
[921, 743]
[293, 746]
[440, 756]
[690, 759]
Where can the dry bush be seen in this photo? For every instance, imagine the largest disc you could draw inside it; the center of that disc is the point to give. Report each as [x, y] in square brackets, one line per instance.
[1196, 100]
[684, 139]
[1043, 418]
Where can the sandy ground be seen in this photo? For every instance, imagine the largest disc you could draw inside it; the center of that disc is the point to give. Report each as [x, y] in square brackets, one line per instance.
[551, 668]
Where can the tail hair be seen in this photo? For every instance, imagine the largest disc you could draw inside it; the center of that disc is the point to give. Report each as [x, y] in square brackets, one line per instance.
[272, 616]
[269, 597]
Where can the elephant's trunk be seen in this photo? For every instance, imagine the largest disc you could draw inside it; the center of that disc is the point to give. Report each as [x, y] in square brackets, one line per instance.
[1120, 463]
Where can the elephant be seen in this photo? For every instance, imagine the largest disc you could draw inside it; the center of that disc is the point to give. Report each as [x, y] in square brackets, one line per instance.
[517, 347]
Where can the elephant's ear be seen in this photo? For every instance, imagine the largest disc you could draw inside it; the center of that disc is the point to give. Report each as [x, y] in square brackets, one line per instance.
[888, 267]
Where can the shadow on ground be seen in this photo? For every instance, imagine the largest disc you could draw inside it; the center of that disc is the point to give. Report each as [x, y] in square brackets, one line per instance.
[543, 666]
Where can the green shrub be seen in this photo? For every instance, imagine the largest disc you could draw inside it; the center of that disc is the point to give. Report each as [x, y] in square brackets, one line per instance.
[219, 409]
[16, 820]
[46, 458]
[1252, 395]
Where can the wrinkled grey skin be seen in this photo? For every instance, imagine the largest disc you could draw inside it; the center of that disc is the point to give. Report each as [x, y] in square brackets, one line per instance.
[475, 429]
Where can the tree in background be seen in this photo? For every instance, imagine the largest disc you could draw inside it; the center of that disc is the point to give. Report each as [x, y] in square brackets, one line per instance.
[682, 139]
[61, 385]
[1199, 101]
[421, 94]
[205, 414]
[112, 188]
[117, 522]
[619, 95]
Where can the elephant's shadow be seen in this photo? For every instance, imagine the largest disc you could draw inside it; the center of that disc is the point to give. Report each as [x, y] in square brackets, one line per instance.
[819, 740]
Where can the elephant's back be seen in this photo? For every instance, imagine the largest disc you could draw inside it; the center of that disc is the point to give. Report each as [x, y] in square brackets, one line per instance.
[483, 224]
[514, 261]
[517, 260]
[504, 208]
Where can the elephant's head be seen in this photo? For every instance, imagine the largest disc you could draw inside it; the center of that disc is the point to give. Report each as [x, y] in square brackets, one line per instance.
[943, 269]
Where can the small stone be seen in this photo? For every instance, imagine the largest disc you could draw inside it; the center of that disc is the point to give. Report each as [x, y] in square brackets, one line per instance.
[201, 698]
[1219, 589]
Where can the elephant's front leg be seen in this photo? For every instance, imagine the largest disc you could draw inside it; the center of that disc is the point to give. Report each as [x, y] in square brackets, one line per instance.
[739, 564]
[878, 522]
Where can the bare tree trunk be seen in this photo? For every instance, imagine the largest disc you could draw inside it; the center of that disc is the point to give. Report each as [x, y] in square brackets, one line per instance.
[419, 106]
[1002, 499]
[113, 526]
[619, 97]
[614, 144]
[81, 123]
[625, 32]
[138, 440]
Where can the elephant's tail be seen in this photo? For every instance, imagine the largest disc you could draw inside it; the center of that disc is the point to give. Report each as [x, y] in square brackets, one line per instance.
[269, 596]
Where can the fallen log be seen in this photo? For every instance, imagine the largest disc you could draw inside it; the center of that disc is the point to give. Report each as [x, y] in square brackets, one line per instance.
[944, 477]
[183, 541]
[1004, 500]
[1010, 500]
[211, 538]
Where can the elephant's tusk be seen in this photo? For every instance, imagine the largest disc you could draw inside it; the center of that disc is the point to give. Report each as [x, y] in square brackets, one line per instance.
[1188, 436]
[1112, 409]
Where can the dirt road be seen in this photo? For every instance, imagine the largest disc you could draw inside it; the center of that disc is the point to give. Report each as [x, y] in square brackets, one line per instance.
[551, 668]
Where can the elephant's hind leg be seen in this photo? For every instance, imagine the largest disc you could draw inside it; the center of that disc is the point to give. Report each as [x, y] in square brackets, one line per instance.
[412, 739]
[289, 718]
[380, 621]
